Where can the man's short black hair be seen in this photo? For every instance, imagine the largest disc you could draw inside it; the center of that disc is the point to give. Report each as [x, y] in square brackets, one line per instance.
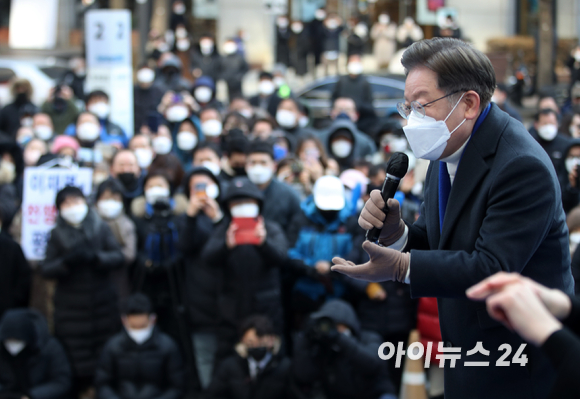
[208, 145]
[66, 192]
[263, 147]
[375, 169]
[236, 142]
[544, 112]
[262, 324]
[266, 75]
[113, 185]
[136, 304]
[96, 93]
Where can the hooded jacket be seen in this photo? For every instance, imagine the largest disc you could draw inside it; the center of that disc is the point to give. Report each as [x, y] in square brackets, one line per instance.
[362, 146]
[347, 367]
[85, 304]
[186, 157]
[41, 370]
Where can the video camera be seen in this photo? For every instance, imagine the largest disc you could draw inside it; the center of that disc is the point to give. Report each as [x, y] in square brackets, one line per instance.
[322, 330]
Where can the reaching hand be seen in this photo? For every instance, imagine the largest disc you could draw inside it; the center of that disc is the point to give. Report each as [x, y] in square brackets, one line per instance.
[392, 227]
[385, 264]
[195, 205]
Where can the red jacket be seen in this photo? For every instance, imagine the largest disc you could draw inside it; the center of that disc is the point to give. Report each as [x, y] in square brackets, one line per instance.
[428, 325]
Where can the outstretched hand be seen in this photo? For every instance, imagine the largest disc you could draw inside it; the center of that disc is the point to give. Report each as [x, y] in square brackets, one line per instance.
[385, 264]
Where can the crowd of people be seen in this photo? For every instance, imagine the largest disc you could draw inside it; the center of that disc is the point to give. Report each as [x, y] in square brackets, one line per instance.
[200, 262]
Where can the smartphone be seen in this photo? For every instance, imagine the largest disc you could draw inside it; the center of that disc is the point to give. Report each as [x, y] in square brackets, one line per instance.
[153, 122]
[246, 233]
[200, 190]
[177, 98]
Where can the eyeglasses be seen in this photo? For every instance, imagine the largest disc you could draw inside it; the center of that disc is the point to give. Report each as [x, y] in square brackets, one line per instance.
[417, 107]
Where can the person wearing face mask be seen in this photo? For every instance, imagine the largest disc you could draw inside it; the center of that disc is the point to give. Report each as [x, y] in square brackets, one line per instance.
[169, 76]
[125, 168]
[354, 85]
[236, 147]
[234, 68]
[203, 213]
[167, 163]
[205, 59]
[319, 232]
[545, 131]
[341, 146]
[242, 106]
[141, 145]
[21, 91]
[491, 203]
[188, 136]
[500, 97]
[75, 77]
[33, 151]
[300, 36]
[383, 34]
[146, 95]
[81, 253]
[334, 351]
[266, 89]
[331, 32]
[61, 107]
[88, 132]
[211, 124]
[157, 219]
[248, 260]
[282, 40]
[65, 148]
[568, 174]
[33, 364]
[345, 114]
[111, 133]
[141, 361]
[288, 115]
[281, 202]
[357, 38]
[257, 369]
[409, 32]
[204, 92]
[11, 173]
[109, 205]
[43, 127]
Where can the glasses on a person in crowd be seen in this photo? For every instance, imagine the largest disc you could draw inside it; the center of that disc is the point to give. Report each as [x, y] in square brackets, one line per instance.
[417, 107]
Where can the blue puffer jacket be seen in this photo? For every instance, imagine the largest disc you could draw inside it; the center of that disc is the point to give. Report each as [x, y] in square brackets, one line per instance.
[317, 239]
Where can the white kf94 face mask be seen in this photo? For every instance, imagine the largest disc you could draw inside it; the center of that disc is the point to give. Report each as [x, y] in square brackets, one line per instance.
[428, 137]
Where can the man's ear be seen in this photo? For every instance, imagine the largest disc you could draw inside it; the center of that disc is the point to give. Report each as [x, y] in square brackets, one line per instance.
[153, 318]
[473, 102]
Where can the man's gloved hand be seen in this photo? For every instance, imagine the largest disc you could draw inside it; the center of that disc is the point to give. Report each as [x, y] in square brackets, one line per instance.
[385, 264]
[372, 215]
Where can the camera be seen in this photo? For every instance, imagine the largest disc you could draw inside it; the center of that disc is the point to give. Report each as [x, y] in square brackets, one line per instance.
[322, 330]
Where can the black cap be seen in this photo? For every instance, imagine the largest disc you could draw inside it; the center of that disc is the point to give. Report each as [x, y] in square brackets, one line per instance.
[242, 187]
[199, 170]
[261, 146]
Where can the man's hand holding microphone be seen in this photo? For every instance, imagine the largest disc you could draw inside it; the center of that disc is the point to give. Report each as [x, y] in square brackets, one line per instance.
[385, 264]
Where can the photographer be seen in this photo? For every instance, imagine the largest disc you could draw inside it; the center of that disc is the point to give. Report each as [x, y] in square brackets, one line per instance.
[334, 352]
[156, 215]
[247, 250]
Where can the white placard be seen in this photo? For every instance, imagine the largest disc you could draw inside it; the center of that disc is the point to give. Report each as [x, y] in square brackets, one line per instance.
[32, 24]
[38, 208]
[109, 62]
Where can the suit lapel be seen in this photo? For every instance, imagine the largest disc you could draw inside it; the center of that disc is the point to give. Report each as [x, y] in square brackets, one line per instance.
[473, 168]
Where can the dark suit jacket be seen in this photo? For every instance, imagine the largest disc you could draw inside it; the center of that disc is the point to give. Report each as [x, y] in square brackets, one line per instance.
[504, 213]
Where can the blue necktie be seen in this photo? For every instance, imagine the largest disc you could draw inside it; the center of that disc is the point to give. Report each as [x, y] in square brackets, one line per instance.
[444, 190]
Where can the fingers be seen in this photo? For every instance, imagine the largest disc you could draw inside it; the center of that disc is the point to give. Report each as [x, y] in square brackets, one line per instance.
[394, 206]
[354, 271]
[377, 199]
[372, 214]
[492, 284]
[343, 262]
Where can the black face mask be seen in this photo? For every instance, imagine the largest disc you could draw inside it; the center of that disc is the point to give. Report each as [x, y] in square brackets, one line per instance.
[129, 180]
[239, 171]
[329, 216]
[258, 353]
[21, 98]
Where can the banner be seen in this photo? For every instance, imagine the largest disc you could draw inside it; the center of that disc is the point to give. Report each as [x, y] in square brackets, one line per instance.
[38, 208]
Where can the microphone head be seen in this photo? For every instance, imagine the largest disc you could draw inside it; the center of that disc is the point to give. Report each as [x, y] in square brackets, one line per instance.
[398, 165]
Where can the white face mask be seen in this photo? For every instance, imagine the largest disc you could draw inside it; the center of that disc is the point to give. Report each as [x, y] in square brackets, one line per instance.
[230, 48]
[145, 75]
[141, 335]
[109, 209]
[101, 109]
[177, 113]
[279, 81]
[182, 44]
[548, 132]
[383, 19]
[75, 214]
[246, 113]
[286, 119]
[212, 128]
[7, 172]
[180, 33]
[144, 157]
[575, 238]
[212, 191]
[162, 145]
[297, 28]
[186, 141]
[206, 47]
[26, 122]
[14, 346]
[283, 23]
[179, 9]
[427, 136]
[571, 163]
[213, 168]
[245, 211]
[341, 148]
[43, 132]
[361, 30]
[320, 15]
[259, 174]
[354, 68]
[332, 24]
[155, 194]
[266, 87]
[203, 94]
[31, 157]
[88, 131]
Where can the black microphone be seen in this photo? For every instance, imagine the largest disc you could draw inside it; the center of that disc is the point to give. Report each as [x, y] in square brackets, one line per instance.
[396, 170]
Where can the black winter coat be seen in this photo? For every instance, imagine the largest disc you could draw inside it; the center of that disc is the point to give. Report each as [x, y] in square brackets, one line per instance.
[210, 65]
[42, 367]
[250, 281]
[232, 380]
[146, 102]
[152, 370]
[15, 276]
[85, 304]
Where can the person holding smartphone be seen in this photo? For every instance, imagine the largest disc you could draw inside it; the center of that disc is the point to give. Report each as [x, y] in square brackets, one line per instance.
[247, 250]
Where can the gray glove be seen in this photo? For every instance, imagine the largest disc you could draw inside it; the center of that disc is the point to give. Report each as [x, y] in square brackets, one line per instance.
[372, 215]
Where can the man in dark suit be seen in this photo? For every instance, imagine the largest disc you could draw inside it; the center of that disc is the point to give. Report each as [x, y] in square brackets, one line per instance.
[492, 203]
